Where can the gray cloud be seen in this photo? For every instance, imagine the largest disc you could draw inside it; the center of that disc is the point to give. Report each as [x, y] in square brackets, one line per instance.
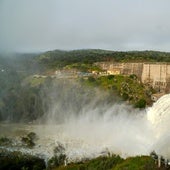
[62, 24]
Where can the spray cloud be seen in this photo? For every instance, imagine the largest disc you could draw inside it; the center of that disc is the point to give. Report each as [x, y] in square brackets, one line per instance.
[88, 124]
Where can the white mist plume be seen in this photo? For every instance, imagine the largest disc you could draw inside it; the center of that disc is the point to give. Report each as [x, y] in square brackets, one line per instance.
[88, 124]
[91, 125]
[117, 130]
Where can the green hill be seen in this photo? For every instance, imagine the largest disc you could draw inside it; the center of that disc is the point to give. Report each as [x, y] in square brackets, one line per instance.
[59, 59]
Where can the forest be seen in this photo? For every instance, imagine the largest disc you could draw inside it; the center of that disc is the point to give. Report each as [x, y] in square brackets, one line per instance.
[59, 59]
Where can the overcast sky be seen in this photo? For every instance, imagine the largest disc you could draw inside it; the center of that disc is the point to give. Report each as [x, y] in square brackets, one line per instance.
[40, 25]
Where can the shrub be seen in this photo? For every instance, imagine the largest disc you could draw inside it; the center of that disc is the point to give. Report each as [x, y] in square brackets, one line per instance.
[56, 161]
[140, 103]
[19, 161]
[59, 157]
[133, 76]
[110, 77]
[29, 140]
[91, 79]
[5, 141]
[125, 96]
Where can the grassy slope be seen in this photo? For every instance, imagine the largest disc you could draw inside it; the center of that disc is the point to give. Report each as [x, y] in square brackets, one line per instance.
[114, 163]
[128, 87]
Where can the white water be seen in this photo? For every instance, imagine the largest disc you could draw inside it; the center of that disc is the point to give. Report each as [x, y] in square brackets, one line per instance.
[119, 129]
[159, 116]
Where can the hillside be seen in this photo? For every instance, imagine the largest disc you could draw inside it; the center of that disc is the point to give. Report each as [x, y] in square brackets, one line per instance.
[21, 94]
[17, 70]
[31, 92]
[59, 59]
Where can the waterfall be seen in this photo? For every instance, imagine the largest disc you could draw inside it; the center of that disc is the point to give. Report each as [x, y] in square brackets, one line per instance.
[159, 116]
[159, 112]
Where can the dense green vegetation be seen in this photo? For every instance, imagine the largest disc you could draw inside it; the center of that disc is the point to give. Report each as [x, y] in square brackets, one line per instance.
[19, 161]
[128, 87]
[60, 59]
[83, 67]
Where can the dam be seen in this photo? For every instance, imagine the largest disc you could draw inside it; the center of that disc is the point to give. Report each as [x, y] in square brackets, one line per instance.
[156, 75]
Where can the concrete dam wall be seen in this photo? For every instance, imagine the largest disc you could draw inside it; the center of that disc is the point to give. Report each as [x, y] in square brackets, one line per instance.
[155, 74]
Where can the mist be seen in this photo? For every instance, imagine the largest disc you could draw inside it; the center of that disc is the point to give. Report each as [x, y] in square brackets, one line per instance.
[90, 123]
